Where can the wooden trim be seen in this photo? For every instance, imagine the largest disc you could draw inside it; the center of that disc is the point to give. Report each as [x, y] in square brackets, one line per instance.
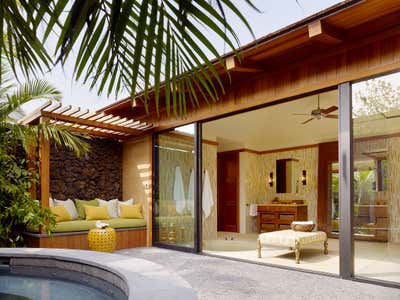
[189, 137]
[103, 125]
[290, 149]
[126, 238]
[376, 137]
[271, 151]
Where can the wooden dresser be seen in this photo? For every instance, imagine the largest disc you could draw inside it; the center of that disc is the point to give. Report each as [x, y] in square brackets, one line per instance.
[272, 217]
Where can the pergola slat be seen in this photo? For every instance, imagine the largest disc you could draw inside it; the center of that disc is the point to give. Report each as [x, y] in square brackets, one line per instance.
[85, 121]
[98, 124]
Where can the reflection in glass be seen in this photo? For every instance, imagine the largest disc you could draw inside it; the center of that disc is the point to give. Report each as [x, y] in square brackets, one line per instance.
[174, 203]
[376, 154]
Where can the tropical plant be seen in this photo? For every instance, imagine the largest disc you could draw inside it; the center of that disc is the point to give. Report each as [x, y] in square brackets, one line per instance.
[128, 45]
[17, 208]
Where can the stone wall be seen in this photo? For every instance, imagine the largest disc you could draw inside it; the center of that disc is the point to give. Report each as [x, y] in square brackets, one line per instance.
[96, 174]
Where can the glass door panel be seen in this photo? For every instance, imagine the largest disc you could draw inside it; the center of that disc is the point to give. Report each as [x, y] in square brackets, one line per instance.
[376, 156]
[174, 203]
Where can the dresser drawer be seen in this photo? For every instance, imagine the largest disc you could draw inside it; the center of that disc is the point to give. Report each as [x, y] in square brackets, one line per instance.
[286, 217]
[268, 227]
[267, 216]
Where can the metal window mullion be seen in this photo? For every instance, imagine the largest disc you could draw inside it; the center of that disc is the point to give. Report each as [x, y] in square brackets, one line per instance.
[346, 192]
[198, 185]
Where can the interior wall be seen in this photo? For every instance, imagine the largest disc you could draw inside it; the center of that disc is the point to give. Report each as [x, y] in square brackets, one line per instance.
[210, 164]
[256, 169]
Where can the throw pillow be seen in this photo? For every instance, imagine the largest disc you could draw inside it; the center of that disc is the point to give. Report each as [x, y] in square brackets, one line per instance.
[69, 205]
[127, 202]
[131, 211]
[61, 213]
[112, 206]
[80, 206]
[96, 212]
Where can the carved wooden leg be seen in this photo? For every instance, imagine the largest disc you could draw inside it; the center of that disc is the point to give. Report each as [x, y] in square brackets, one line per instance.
[297, 252]
[258, 248]
[326, 246]
[291, 248]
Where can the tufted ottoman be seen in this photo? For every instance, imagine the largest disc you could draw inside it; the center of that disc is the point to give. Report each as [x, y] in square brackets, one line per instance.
[292, 239]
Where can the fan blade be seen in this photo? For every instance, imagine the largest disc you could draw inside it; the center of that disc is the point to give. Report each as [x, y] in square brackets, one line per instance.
[332, 116]
[300, 114]
[329, 110]
[309, 120]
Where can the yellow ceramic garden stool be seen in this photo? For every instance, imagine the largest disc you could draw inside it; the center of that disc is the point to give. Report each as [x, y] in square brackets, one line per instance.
[102, 240]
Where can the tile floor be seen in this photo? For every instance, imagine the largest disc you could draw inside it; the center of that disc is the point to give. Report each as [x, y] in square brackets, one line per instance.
[372, 259]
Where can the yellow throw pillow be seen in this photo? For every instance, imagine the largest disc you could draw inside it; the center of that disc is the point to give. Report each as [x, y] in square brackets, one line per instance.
[96, 212]
[61, 213]
[131, 211]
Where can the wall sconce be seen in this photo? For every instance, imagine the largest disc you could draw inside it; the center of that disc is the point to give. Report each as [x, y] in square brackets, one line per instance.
[304, 177]
[271, 179]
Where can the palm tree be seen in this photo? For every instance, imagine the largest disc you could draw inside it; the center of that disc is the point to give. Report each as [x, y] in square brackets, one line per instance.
[127, 45]
[17, 209]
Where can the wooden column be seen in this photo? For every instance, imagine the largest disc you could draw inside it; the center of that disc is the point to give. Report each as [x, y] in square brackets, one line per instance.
[44, 169]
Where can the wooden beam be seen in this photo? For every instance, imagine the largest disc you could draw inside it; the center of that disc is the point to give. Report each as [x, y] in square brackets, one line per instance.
[325, 32]
[44, 169]
[86, 122]
[96, 133]
[232, 64]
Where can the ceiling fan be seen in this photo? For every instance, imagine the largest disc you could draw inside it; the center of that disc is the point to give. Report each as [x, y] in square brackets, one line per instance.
[319, 113]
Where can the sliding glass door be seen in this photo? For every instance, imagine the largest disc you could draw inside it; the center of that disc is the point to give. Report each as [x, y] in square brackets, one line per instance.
[376, 180]
[174, 205]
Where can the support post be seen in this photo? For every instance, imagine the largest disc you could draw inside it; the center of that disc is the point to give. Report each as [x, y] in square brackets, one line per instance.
[346, 239]
[198, 184]
[44, 170]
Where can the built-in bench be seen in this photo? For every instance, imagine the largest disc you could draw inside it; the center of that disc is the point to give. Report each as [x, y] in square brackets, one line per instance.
[130, 233]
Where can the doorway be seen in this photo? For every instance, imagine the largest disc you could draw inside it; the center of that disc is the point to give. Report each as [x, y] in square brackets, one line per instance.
[228, 191]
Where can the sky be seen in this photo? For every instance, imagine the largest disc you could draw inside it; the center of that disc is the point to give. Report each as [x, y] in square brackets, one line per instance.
[274, 15]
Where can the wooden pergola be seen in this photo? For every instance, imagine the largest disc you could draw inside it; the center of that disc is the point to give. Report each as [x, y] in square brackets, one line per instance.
[76, 119]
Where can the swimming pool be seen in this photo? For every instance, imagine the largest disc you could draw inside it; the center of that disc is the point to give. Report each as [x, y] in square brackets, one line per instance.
[38, 288]
[20, 287]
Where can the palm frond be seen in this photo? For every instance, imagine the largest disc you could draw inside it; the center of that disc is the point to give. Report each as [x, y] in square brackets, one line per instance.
[134, 45]
[24, 93]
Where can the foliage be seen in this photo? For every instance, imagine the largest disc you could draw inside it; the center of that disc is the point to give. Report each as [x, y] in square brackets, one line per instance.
[17, 208]
[379, 96]
[128, 45]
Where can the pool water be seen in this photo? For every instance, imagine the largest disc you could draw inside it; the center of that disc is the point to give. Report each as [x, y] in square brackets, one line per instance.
[15, 287]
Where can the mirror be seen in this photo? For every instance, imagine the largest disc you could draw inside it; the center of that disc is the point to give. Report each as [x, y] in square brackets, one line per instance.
[287, 175]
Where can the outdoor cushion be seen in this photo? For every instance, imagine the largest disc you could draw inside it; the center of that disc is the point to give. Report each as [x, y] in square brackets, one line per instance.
[127, 202]
[61, 213]
[131, 211]
[96, 212]
[83, 225]
[69, 205]
[112, 206]
[80, 206]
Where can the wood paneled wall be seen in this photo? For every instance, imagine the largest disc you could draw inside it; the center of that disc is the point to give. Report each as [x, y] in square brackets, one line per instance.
[349, 61]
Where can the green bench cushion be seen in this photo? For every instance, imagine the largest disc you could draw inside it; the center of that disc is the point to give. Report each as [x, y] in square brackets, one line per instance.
[82, 225]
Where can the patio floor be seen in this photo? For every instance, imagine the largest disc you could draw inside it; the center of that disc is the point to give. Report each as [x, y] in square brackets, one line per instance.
[216, 278]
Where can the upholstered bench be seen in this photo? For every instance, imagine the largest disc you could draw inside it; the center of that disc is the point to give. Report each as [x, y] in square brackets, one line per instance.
[295, 240]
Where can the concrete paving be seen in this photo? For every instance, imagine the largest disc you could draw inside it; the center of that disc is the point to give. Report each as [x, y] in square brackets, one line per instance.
[216, 278]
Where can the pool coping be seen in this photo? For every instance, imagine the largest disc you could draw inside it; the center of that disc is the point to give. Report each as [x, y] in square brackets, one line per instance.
[143, 279]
